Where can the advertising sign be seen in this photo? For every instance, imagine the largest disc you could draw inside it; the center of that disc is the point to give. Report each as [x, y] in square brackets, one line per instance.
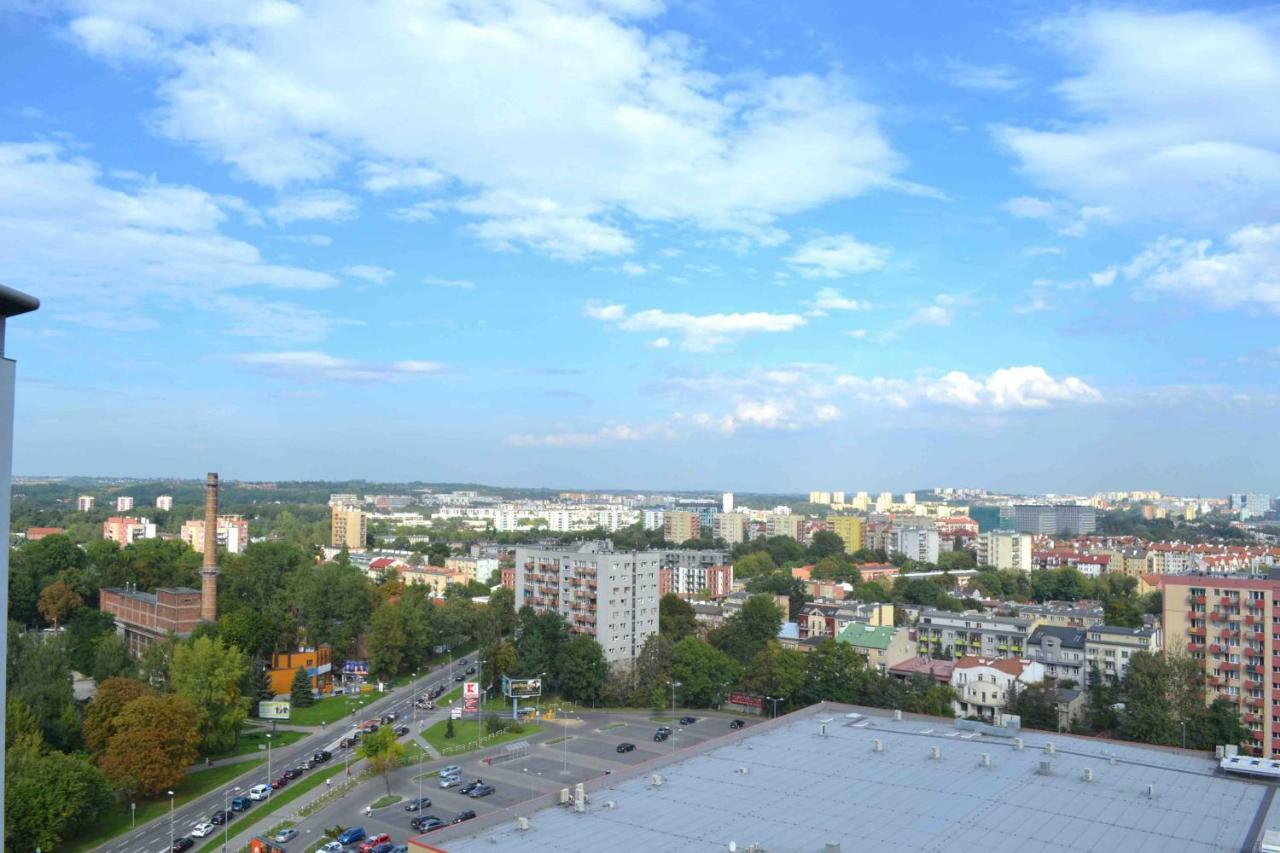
[471, 696]
[521, 688]
[355, 667]
[269, 709]
[747, 700]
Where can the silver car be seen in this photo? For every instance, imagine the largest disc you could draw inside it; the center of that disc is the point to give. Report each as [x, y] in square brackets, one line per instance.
[450, 781]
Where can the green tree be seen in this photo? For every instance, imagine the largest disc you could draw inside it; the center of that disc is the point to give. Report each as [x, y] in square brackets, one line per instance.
[448, 728]
[1037, 705]
[301, 694]
[156, 739]
[676, 617]
[49, 796]
[40, 678]
[333, 603]
[706, 674]
[782, 583]
[106, 706]
[83, 631]
[58, 601]
[956, 561]
[156, 665]
[746, 632]
[582, 669]
[1160, 694]
[652, 671]
[825, 543]
[776, 672]
[208, 674]
[111, 658]
[836, 568]
[383, 752]
[1123, 611]
[835, 671]
[754, 565]
[19, 722]
[388, 642]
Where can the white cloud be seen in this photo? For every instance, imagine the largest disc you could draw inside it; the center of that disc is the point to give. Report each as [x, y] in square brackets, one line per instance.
[604, 112]
[698, 333]
[831, 299]
[1063, 217]
[1245, 273]
[322, 205]
[98, 250]
[1003, 390]
[369, 273]
[660, 343]
[542, 224]
[633, 269]
[281, 323]
[604, 435]
[982, 78]
[837, 256]
[456, 283]
[386, 177]
[1172, 115]
[422, 211]
[1105, 278]
[312, 366]
[941, 313]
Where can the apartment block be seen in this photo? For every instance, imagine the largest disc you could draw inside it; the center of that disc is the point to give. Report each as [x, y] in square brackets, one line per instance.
[698, 580]
[986, 685]
[782, 524]
[125, 530]
[1055, 519]
[1061, 650]
[731, 527]
[1231, 626]
[84, 503]
[233, 533]
[972, 633]
[164, 502]
[681, 526]
[917, 542]
[849, 529]
[475, 568]
[610, 595]
[1110, 647]
[1005, 549]
[124, 503]
[350, 528]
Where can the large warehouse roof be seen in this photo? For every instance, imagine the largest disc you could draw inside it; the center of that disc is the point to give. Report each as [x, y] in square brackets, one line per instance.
[785, 786]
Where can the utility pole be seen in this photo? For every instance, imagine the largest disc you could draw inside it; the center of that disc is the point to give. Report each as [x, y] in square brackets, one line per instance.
[674, 685]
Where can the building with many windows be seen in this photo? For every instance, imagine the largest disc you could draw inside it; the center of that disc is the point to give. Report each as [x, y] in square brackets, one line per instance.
[972, 633]
[1055, 519]
[233, 533]
[1229, 625]
[84, 503]
[124, 503]
[849, 529]
[1005, 549]
[607, 594]
[730, 527]
[987, 685]
[1061, 650]
[125, 530]
[1108, 648]
[687, 581]
[915, 541]
[350, 527]
[145, 617]
[164, 502]
[681, 526]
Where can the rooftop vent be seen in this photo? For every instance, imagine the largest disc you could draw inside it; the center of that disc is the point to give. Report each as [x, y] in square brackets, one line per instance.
[522, 824]
[1151, 792]
[935, 752]
[743, 770]
[831, 847]
[877, 745]
[609, 804]
[897, 715]
[984, 760]
[1046, 768]
[1087, 776]
[1048, 749]
[656, 780]
[1017, 743]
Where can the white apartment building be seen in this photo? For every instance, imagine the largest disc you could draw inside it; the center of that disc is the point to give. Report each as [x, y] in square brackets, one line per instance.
[653, 519]
[84, 503]
[610, 595]
[726, 502]
[476, 568]
[986, 685]
[918, 543]
[124, 503]
[1005, 549]
[164, 502]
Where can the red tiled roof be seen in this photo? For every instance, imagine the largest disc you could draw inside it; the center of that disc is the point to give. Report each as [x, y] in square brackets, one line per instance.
[1005, 665]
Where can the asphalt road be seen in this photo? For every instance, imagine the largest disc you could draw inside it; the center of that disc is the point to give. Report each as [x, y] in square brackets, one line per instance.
[154, 837]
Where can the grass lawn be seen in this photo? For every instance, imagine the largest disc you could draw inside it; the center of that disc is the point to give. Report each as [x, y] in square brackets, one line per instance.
[250, 741]
[277, 801]
[465, 734]
[330, 709]
[385, 800]
[608, 726]
[561, 739]
[116, 822]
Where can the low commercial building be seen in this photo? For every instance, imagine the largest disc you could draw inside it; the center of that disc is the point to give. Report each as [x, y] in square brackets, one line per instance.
[318, 662]
[1061, 650]
[883, 646]
[987, 685]
[145, 617]
[938, 670]
[972, 633]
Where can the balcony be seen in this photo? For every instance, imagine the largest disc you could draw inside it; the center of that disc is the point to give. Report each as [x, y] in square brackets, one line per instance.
[1253, 702]
[1249, 620]
[1275, 695]
[1228, 666]
[1254, 604]
[1226, 634]
[1196, 632]
[1200, 599]
[1216, 616]
[1195, 647]
[1258, 637]
[1252, 718]
[1227, 601]
[1215, 681]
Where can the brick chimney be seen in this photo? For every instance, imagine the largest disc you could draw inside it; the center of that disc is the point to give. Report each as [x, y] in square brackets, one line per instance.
[209, 568]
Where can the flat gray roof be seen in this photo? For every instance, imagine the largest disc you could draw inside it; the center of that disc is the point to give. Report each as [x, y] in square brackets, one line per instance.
[801, 790]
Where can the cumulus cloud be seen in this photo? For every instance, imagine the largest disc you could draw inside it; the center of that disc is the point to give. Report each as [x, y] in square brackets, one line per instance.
[837, 256]
[1006, 389]
[1063, 217]
[941, 313]
[697, 332]
[368, 272]
[831, 299]
[603, 113]
[1170, 115]
[1244, 273]
[313, 366]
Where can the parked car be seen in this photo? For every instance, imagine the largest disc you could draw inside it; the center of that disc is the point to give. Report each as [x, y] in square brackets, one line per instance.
[451, 770]
[470, 786]
[220, 817]
[384, 847]
[418, 804]
[426, 823]
[321, 756]
[259, 792]
[240, 804]
[373, 841]
[626, 747]
[284, 836]
[182, 844]
[461, 816]
[401, 731]
[688, 721]
[331, 847]
[351, 835]
[450, 781]
[482, 791]
[399, 848]
[293, 773]
[736, 724]
[200, 830]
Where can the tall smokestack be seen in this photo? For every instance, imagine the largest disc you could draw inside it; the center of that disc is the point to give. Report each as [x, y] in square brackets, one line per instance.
[209, 569]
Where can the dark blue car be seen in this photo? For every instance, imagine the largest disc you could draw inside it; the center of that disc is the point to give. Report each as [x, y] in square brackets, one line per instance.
[352, 835]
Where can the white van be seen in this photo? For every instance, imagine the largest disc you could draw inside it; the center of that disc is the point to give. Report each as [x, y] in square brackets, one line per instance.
[259, 792]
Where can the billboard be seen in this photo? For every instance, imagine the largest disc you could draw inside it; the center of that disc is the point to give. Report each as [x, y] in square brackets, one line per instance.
[471, 696]
[355, 667]
[269, 709]
[521, 688]
[747, 700]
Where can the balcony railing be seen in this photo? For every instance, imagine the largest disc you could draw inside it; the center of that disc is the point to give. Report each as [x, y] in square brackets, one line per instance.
[1196, 632]
[1195, 647]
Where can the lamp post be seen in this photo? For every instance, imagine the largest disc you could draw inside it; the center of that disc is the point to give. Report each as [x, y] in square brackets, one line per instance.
[170, 820]
[775, 705]
[564, 741]
[133, 811]
[673, 685]
[226, 815]
[268, 758]
[480, 718]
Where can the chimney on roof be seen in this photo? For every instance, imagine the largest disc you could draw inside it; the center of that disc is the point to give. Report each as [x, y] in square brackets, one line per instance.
[209, 565]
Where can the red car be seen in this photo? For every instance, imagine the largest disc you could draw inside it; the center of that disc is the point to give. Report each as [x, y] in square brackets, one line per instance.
[373, 841]
[279, 783]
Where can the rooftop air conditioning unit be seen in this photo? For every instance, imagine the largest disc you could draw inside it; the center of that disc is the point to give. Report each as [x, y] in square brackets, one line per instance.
[877, 745]
[935, 752]
[1017, 743]
[1087, 776]
[984, 760]
[1048, 749]
[564, 796]
[1046, 768]
[522, 824]
[656, 780]
[610, 804]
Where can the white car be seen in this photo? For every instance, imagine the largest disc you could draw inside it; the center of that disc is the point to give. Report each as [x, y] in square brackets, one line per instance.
[259, 792]
[203, 829]
[331, 847]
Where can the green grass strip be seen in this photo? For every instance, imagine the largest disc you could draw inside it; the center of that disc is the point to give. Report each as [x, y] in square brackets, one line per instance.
[277, 801]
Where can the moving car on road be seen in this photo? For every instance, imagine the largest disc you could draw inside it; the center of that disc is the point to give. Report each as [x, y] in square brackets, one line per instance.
[659, 736]
[220, 817]
[688, 721]
[203, 829]
[293, 773]
[736, 724]
[401, 731]
[461, 816]
[321, 756]
[182, 844]
[241, 804]
[284, 836]
[481, 791]
[280, 783]
[626, 747]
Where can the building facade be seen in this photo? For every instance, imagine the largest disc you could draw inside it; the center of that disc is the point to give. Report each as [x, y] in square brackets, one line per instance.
[350, 528]
[972, 633]
[915, 541]
[84, 503]
[987, 685]
[1108, 648]
[697, 580]
[164, 502]
[609, 595]
[1061, 650]
[145, 617]
[883, 647]
[125, 530]
[1055, 519]
[849, 529]
[318, 663]
[731, 527]
[680, 526]
[1005, 549]
[233, 534]
[124, 503]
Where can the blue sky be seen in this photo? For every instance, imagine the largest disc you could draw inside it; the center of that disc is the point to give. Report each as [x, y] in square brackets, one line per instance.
[708, 245]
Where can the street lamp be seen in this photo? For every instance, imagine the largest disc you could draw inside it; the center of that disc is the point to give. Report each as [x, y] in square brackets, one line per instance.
[775, 705]
[480, 719]
[133, 811]
[673, 685]
[226, 815]
[268, 758]
[170, 820]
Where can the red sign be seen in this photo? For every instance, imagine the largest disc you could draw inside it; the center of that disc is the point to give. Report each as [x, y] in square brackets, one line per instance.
[747, 700]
